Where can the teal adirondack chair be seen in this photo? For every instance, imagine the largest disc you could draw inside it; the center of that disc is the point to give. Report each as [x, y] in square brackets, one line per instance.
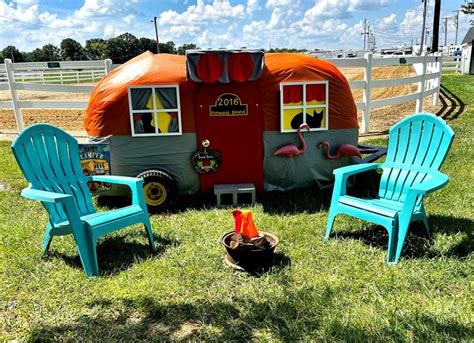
[417, 147]
[49, 160]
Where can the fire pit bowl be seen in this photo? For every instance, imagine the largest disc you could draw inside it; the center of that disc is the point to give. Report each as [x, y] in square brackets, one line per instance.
[253, 258]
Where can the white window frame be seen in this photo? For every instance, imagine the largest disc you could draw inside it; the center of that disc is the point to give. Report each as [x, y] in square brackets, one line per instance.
[304, 106]
[155, 111]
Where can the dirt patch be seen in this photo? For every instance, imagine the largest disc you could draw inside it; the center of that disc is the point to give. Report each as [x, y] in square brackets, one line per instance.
[69, 120]
[73, 120]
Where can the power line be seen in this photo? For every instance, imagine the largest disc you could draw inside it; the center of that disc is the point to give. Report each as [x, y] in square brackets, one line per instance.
[34, 24]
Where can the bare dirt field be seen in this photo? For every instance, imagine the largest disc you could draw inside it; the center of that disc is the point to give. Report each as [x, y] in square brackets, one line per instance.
[72, 120]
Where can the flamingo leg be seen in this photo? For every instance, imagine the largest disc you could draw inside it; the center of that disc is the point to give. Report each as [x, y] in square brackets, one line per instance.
[284, 172]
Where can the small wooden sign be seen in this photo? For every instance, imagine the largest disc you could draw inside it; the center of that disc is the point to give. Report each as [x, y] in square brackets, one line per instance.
[228, 105]
[54, 65]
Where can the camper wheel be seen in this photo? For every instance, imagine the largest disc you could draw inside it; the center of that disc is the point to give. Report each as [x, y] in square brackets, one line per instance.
[159, 188]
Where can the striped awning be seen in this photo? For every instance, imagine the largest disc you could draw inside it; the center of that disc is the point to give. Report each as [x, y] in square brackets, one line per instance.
[224, 66]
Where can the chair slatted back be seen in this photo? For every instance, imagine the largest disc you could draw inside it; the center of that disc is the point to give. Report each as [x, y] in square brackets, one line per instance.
[49, 160]
[417, 147]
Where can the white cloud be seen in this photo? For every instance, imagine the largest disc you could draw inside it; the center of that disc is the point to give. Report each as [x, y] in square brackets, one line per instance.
[412, 20]
[111, 31]
[279, 3]
[129, 19]
[217, 11]
[328, 9]
[390, 20]
[203, 38]
[28, 27]
[93, 7]
[252, 6]
[367, 5]
[219, 23]
[276, 18]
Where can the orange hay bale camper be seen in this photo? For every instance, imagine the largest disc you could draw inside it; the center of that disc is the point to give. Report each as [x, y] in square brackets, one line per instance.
[243, 104]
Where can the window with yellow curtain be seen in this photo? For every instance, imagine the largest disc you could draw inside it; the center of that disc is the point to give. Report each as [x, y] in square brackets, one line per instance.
[154, 110]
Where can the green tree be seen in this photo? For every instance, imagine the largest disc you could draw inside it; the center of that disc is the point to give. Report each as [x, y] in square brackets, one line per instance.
[34, 56]
[147, 44]
[123, 47]
[48, 52]
[182, 49]
[51, 52]
[71, 50]
[13, 53]
[167, 48]
[96, 49]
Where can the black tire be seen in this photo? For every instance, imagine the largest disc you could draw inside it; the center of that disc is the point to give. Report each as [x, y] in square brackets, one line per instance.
[159, 189]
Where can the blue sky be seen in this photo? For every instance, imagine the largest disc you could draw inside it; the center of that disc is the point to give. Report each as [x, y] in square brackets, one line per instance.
[324, 24]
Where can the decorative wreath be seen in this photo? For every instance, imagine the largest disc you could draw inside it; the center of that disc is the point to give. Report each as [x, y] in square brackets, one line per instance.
[206, 161]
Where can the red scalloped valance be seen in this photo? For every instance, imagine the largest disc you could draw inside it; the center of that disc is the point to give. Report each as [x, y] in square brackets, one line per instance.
[224, 65]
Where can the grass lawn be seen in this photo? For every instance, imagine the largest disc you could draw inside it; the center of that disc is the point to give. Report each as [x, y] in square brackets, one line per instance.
[336, 290]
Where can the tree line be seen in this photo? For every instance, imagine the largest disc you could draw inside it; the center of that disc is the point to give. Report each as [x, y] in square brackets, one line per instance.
[119, 49]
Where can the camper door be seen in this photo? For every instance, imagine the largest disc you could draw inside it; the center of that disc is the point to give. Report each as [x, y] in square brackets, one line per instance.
[228, 116]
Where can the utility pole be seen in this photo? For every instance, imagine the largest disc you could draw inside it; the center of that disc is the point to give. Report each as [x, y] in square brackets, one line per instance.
[156, 34]
[445, 31]
[423, 29]
[372, 40]
[437, 13]
[365, 30]
[456, 22]
[427, 38]
[368, 37]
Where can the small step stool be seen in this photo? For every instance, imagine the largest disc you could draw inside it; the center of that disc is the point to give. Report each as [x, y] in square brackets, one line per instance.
[235, 190]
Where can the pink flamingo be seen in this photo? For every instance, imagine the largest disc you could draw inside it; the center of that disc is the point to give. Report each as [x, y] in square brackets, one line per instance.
[342, 150]
[291, 150]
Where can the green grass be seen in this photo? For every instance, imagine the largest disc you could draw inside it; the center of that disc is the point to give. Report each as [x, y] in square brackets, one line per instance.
[336, 290]
[461, 85]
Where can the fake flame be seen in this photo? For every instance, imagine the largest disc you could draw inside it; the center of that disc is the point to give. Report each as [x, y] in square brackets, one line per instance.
[243, 224]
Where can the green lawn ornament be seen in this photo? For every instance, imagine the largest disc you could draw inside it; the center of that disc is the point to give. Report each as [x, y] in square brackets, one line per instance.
[49, 160]
[417, 147]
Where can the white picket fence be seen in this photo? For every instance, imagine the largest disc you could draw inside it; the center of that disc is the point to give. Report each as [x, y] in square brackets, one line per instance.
[428, 79]
[49, 77]
[452, 64]
[62, 72]
[428, 69]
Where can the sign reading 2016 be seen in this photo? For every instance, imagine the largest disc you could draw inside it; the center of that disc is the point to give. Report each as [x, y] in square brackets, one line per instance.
[228, 104]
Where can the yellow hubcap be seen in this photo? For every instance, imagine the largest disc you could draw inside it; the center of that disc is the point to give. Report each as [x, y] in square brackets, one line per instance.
[155, 193]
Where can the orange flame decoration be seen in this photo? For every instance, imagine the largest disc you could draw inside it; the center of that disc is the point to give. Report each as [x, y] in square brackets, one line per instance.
[243, 224]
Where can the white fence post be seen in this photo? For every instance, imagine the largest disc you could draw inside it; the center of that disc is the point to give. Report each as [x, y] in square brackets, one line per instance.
[421, 87]
[367, 92]
[11, 83]
[108, 66]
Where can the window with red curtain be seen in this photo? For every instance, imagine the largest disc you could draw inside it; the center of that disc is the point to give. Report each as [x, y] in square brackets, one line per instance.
[304, 102]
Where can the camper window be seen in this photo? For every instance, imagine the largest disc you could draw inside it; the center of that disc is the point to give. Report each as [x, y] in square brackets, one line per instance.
[304, 102]
[154, 110]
